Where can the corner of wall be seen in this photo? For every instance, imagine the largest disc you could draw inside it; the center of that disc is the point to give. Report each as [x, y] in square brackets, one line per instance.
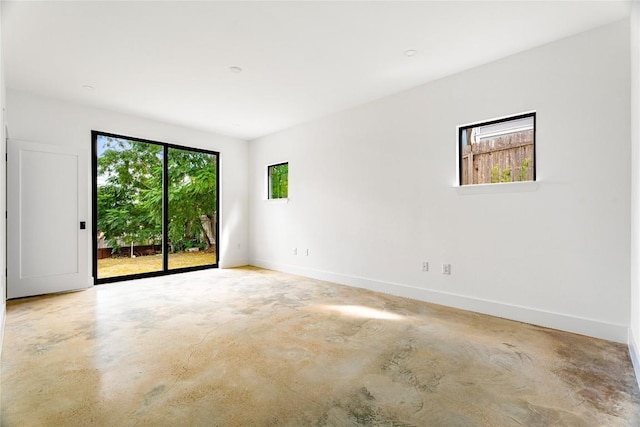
[634, 327]
[233, 263]
[3, 197]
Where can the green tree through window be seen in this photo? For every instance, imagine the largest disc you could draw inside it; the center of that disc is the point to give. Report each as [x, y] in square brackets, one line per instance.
[130, 192]
[278, 181]
[132, 202]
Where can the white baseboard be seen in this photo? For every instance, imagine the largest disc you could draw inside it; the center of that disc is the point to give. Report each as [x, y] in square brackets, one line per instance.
[578, 325]
[231, 263]
[634, 353]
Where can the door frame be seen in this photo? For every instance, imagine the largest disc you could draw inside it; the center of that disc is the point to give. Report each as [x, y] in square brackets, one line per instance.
[165, 203]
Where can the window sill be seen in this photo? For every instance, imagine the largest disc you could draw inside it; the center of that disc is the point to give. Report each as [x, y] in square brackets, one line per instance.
[277, 201]
[498, 188]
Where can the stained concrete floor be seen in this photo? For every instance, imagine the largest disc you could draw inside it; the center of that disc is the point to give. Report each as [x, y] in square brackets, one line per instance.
[250, 347]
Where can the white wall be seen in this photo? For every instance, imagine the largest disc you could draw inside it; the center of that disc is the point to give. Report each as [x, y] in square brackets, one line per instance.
[3, 197]
[634, 330]
[372, 192]
[37, 119]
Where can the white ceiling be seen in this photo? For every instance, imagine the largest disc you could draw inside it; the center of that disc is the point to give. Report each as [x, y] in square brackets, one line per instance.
[171, 61]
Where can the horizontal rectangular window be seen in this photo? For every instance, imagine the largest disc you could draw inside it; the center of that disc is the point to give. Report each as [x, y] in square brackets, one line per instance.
[278, 181]
[497, 151]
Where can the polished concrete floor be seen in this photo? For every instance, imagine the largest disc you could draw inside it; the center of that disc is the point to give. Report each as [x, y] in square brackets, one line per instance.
[250, 347]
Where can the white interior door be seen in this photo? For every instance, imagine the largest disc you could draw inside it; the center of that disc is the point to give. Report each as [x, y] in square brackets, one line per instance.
[47, 251]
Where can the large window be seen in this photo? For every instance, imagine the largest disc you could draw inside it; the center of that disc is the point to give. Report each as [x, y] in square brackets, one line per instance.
[278, 181]
[155, 208]
[498, 151]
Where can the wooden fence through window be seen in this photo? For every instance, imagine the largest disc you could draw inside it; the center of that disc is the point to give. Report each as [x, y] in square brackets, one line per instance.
[507, 158]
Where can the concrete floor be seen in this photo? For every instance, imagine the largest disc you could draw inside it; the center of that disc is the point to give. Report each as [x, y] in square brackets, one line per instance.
[249, 347]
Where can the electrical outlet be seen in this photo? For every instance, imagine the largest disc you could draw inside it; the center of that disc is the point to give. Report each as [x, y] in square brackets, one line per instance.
[295, 251]
[425, 265]
[446, 269]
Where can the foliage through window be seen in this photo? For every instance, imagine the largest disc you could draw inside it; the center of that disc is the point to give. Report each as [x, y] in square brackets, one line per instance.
[498, 151]
[156, 207]
[278, 177]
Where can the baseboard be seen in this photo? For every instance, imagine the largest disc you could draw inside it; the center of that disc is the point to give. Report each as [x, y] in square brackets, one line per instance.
[563, 322]
[634, 353]
[231, 263]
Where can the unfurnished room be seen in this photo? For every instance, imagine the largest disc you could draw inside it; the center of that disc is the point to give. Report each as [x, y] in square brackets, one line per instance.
[320, 213]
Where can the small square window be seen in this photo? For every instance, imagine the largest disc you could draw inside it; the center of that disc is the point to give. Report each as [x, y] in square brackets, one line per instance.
[498, 151]
[278, 181]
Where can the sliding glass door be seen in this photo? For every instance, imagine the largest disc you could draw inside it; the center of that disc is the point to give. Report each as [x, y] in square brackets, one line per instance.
[155, 208]
[192, 179]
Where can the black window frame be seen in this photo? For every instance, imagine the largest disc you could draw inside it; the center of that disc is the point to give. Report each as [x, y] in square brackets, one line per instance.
[463, 128]
[165, 217]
